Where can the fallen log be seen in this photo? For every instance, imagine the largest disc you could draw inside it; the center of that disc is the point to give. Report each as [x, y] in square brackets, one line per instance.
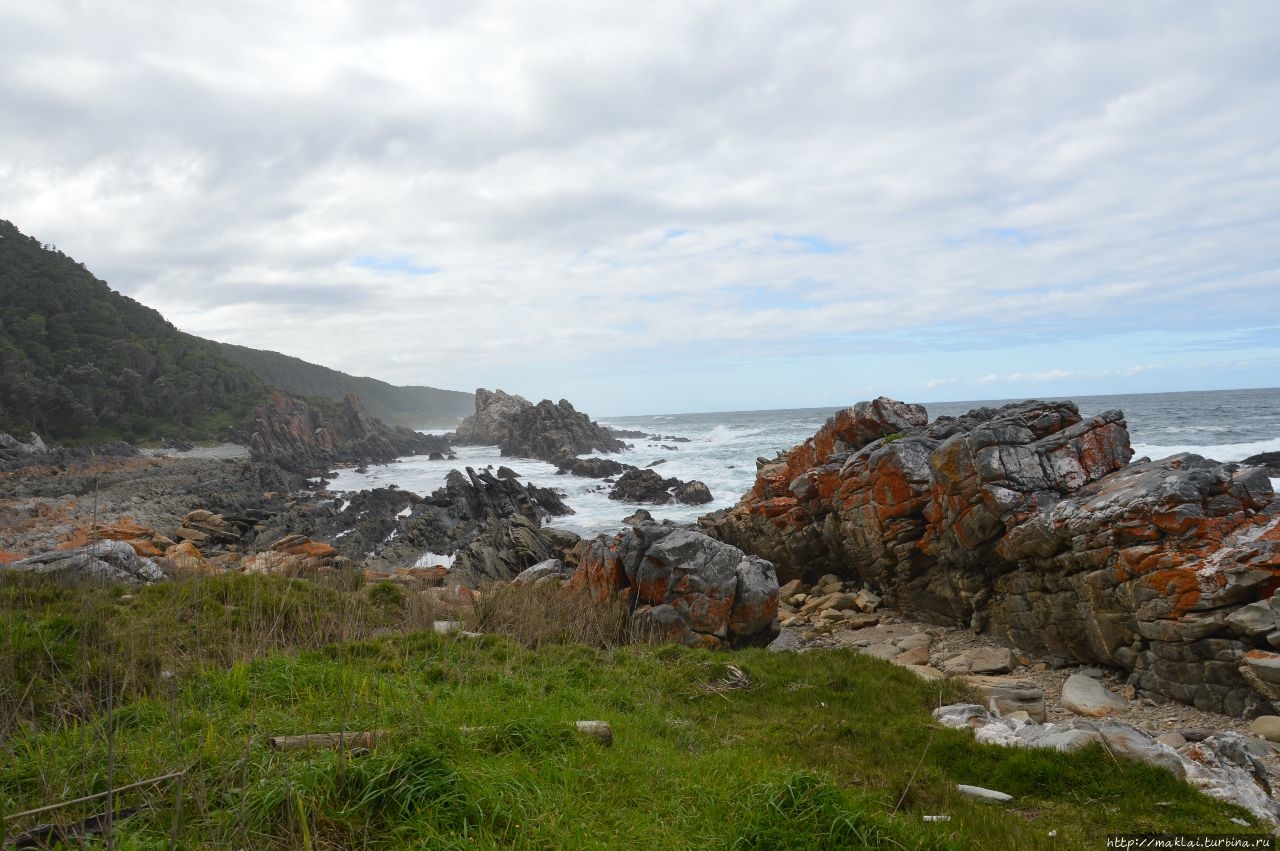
[598, 730]
[353, 739]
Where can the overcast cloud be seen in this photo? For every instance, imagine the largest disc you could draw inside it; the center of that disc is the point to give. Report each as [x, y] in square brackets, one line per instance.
[673, 206]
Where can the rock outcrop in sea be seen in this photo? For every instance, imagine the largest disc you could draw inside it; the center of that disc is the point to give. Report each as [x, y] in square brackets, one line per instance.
[552, 432]
[298, 436]
[1030, 523]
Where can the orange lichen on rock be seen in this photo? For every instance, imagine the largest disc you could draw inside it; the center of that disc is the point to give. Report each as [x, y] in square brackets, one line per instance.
[1180, 585]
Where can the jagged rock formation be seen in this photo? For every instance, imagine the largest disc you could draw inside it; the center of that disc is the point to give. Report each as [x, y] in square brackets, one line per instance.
[683, 586]
[491, 526]
[551, 432]
[297, 436]
[1029, 522]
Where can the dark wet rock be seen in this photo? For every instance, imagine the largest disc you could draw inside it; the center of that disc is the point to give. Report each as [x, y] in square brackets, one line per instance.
[594, 467]
[507, 473]
[647, 486]
[626, 433]
[692, 493]
[1268, 460]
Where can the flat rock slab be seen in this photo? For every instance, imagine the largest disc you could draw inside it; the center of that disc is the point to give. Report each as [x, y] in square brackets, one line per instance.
[1086, 696]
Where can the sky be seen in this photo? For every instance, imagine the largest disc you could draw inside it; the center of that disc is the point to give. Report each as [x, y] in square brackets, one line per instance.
[673, 206]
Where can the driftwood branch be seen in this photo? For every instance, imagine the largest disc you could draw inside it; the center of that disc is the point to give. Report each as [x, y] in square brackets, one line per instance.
[97, 795]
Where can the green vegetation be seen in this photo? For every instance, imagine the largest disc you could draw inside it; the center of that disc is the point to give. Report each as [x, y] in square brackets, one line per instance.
[413, 406]
[826, 749]
[79, 361]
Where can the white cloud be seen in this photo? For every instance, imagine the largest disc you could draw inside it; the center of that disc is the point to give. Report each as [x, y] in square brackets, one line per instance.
[597, 184]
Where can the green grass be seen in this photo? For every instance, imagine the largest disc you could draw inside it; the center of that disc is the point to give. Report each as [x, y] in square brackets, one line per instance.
[826, 749]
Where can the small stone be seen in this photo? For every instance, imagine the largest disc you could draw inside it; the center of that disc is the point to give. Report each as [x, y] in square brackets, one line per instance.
[1095, 673]
[831, 615]
[1173, 740]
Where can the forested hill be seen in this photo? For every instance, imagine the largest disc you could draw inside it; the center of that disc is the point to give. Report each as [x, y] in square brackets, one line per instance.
[80, 361]
[413, 406]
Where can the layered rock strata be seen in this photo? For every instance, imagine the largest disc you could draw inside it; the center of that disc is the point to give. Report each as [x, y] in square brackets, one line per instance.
[1028, 522]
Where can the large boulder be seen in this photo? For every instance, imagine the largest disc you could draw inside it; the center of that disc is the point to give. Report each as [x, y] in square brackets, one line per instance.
[554, 432]
[683, 586]
[1029, 522]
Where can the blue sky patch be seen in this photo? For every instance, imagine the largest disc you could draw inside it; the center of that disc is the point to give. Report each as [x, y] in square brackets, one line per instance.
[392, 263]
[808, 243]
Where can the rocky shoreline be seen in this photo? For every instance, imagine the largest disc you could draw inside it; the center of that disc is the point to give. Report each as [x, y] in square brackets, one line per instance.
[1016, 548]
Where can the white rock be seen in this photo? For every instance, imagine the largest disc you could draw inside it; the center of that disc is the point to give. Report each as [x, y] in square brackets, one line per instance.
[1086, 696]
[985, 794]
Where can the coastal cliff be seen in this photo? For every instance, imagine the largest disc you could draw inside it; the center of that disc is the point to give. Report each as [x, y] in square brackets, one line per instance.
[302, 437]
[1029, 522]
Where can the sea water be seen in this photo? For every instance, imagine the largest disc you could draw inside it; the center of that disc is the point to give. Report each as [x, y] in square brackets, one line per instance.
[1226, 425]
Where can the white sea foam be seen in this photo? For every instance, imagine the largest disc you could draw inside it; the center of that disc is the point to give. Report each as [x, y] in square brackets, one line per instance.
[430, 559]
[1216, 451]
[1275, 485]
[724, 434]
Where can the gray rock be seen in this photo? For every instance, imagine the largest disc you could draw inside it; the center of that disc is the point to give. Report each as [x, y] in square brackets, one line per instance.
[1059, 738]
[107, 560]
[1008, 695]
[550, 569]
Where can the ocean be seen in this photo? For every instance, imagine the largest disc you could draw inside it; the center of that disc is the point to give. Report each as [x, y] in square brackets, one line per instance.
[1226, 425]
